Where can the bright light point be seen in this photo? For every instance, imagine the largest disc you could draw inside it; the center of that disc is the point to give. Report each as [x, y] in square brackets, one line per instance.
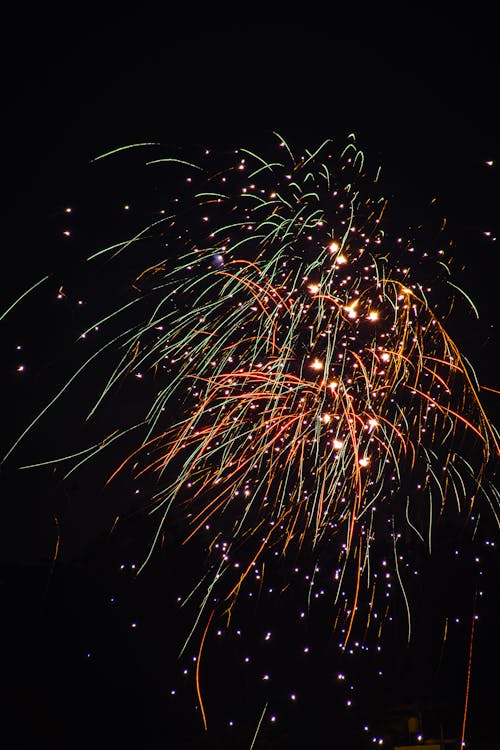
[385, 357]
[217, 260]
[489, 163]
[313, 288]
[333, 247]
[373, 315]
[337, 444]
[340, 259]
[293, 697]
[326, 418]
[351, 312]
[364, 461]
[372, 423]
[317, 364]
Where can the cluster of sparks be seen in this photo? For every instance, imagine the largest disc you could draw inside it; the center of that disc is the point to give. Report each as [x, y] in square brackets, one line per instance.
[310, 402]
[315, 393]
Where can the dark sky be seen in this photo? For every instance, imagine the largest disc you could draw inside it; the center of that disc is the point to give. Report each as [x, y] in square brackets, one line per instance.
[421, 97]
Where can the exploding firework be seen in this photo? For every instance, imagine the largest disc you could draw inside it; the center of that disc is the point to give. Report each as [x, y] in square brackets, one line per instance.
[308, 401]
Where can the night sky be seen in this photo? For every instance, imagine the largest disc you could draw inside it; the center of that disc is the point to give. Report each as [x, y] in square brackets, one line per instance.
[89, 649]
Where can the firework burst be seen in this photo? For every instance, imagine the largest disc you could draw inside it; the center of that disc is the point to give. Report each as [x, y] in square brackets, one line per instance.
[318, 397]
[308, 401]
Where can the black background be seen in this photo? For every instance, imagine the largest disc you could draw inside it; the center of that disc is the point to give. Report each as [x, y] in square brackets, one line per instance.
[420, 93]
